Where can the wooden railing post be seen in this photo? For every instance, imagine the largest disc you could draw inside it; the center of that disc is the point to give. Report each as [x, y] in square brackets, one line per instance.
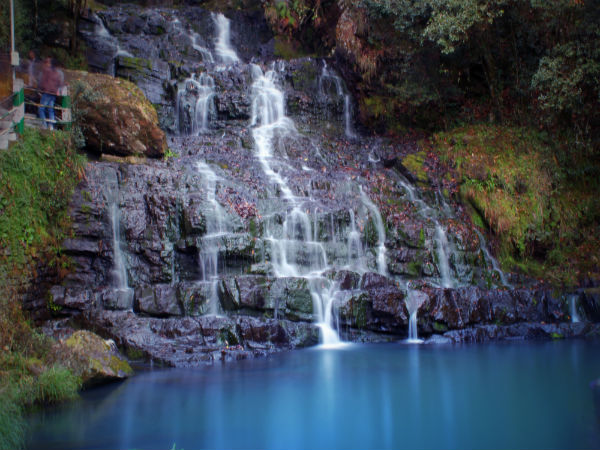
[65, 102]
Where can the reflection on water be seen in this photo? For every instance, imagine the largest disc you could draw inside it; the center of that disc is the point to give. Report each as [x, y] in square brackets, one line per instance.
[522, 395]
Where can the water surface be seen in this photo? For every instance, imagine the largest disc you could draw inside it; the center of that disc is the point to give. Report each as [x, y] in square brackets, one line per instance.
[514, 395]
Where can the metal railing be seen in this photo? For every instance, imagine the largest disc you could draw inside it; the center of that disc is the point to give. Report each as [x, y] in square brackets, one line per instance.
[13, 116]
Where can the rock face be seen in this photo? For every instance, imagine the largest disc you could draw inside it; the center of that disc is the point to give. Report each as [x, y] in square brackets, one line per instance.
[116, 118]
[240, 244]
[102, 361]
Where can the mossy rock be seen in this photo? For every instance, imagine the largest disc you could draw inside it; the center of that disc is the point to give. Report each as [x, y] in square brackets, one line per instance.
[115, 117]
[101, 362]
[415, 164]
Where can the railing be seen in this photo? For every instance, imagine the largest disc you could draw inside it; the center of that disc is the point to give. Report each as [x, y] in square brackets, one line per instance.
[13, 115]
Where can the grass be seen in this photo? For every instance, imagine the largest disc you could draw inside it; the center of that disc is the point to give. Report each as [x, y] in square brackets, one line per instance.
[542, 205]
[37, 176]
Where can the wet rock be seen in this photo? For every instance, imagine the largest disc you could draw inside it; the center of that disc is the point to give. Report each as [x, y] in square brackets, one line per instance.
[100, 360]
[386, 298]
[158, 300]
[347, 280]
[590, 301]
[116, 117]
[253, 292]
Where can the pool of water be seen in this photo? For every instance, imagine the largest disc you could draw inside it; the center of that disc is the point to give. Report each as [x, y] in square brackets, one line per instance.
[513, 395]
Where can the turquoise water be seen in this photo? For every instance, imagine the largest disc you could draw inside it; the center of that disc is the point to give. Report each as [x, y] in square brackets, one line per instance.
[514, 395]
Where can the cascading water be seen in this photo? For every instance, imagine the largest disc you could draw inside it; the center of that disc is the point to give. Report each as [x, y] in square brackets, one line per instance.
[355, 249]
[414, 300]
[572, 299]
[442, 248]
[329, 76]
[216, 228]
[101, 31]
[199, 112]
[294, 250]
[378, 222]
[223, 49]
[194, 37]
[441, 245]
[491, 259]
[119, 272]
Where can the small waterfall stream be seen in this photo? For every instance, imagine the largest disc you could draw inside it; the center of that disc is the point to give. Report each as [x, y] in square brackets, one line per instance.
[328, 76]
[119, 271]
[413, 301]
[223, 49]
[490, 258]
[441, 245]
[101, 31]
[572, 299]
[355, 248]
[378, 222]
[194, 37]
[202, 88]
[216, 228]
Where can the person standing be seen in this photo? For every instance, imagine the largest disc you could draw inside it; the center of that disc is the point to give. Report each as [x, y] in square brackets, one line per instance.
[31, 70]
[49, 84]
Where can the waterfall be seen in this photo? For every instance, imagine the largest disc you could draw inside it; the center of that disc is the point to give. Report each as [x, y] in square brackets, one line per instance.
[295, 251]
[193, 37]
[413, 300]
[441, 245]
[489, 258]
[355, 249]
[442, 250]
[573, 308]
[329, 76]
[225, 53]
[216, 228]
[101, 31]
[119, 271]
[376, 216]
[202, 89]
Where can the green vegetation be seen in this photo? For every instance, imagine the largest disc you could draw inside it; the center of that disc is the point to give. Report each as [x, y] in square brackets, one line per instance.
[37, 177]
[544, 210]
[41, 25]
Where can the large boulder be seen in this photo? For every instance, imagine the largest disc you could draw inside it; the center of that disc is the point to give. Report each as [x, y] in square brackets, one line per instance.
[115, 116]
[101, 362]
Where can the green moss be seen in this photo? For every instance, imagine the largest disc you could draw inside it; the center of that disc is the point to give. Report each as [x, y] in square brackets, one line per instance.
[374, 107]
[286, 48]
[39, 173]
[228, 337]
[557, 336]
[415, 164]
[370, 233]
[422, 238]
[135, 354]
[120, 365]
[135, 63]
[439, 327]
[544, 218]
[359, 311]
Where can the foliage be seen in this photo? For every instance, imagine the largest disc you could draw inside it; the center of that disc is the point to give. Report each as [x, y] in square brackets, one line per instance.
[453, 21]
[38, 175]
[546, 220]
[40, 25]
[12, 430]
